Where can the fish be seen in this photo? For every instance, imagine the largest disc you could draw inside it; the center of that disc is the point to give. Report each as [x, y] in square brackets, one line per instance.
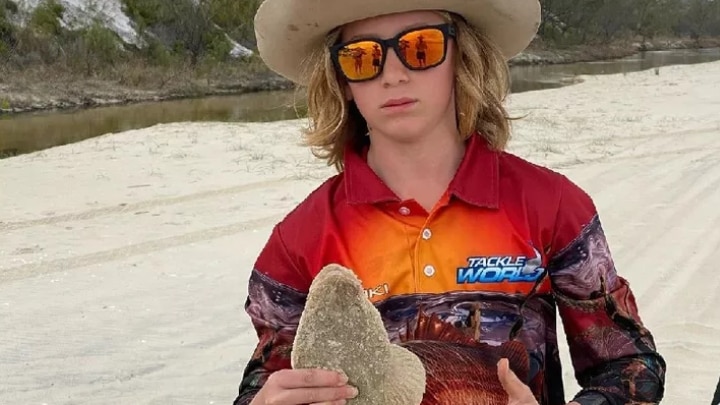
[432, 363]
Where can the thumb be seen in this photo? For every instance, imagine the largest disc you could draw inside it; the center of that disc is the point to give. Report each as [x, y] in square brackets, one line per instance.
[515, 388]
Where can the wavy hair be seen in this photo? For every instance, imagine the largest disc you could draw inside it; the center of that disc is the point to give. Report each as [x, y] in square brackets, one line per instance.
[481, 86]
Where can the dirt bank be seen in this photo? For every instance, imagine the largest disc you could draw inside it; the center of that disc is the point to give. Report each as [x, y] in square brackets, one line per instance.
[53, 89]
[538, 53]
[39, 90]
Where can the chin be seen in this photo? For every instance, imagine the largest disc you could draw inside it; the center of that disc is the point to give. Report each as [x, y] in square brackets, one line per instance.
[407, 130]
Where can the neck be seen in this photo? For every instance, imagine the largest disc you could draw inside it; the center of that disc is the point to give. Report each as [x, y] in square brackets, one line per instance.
[419, 170]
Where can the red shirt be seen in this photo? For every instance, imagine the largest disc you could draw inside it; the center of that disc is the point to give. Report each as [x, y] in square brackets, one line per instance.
[507, 234]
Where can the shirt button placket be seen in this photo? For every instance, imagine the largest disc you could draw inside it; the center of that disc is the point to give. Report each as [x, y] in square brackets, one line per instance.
[429, 269]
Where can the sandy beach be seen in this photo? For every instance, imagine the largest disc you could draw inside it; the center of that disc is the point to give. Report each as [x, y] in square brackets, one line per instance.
[124, 258]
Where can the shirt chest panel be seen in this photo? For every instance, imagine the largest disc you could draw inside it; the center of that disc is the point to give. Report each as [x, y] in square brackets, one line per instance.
[459, 248]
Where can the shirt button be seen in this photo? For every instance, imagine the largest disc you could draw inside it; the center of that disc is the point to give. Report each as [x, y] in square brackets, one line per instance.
[426, 234]
[429, 270]
[404, 211]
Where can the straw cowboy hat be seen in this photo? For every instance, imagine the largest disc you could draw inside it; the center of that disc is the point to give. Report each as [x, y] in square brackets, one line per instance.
[288, 30]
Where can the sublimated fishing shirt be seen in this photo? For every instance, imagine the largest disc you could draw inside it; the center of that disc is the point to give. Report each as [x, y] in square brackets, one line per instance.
[515, 241]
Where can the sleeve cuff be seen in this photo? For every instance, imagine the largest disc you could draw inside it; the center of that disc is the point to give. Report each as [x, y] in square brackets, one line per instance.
[246, 397]
[592, 398]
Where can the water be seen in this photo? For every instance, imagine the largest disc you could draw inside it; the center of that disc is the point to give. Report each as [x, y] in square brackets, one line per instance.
[31, 132]
[528, 78]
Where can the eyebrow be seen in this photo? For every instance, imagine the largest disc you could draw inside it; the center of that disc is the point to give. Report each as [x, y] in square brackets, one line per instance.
[408, 27]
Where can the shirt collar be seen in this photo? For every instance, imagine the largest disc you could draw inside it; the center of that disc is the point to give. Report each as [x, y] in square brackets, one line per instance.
[476, 180]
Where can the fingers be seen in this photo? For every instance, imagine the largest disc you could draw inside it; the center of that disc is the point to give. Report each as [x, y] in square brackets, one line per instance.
[307, 386]
[325, 396]
[515, 388]
[307, 378]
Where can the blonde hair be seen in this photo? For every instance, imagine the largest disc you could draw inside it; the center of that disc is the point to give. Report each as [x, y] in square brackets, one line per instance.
[481, 85]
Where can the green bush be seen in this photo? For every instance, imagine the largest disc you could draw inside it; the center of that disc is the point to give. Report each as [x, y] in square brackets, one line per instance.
[93, 48]
[45, 19]
[8, 38]
[144, 12]
[235, 17]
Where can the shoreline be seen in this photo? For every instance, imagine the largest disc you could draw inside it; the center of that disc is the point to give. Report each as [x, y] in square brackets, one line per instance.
[67, 94]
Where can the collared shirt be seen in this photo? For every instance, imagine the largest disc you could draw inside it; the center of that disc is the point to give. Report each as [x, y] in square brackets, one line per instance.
[515, 241]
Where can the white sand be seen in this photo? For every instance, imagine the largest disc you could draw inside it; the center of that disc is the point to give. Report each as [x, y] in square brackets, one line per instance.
[124, 259]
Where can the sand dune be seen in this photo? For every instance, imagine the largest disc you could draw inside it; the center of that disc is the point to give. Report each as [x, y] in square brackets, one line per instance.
[124, 259]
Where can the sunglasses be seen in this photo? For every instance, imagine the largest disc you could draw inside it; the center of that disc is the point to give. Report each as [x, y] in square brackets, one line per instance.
[419, 48]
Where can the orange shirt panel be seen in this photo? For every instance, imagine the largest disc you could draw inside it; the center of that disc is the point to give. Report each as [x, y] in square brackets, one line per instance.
[397, 250]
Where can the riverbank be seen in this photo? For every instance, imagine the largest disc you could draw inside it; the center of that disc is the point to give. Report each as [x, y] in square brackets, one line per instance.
[538, 54]
[43, 89]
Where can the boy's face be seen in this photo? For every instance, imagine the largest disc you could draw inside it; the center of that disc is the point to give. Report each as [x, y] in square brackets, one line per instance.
[403, 104]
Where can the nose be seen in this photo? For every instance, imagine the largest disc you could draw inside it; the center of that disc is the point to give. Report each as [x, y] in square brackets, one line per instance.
[394, 72]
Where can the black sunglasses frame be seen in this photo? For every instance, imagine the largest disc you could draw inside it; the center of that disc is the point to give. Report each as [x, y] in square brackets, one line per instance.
[447, 29]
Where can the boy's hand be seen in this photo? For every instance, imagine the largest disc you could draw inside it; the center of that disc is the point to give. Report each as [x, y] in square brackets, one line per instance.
[305, 386]
[518, 393]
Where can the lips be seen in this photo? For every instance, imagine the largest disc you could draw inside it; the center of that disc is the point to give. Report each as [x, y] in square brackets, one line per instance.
[397, 102]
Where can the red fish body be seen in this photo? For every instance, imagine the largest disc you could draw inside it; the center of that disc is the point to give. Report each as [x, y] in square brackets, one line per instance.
[459, 369]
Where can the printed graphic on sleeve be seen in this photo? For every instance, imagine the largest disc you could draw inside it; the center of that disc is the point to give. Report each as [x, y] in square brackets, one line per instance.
[599, 312]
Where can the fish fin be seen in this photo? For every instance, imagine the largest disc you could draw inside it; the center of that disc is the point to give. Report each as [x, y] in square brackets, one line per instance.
[517, 356]
[431, 327]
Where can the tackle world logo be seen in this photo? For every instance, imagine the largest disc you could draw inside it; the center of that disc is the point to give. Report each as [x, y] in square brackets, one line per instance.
[496, 269]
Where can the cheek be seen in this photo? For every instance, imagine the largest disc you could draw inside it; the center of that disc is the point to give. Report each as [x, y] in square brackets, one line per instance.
[364, 95]
[446, 74]
[441, 83]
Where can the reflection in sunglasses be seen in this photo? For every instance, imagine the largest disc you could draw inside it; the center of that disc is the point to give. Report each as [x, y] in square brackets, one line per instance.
[428, 46]
[355, 59]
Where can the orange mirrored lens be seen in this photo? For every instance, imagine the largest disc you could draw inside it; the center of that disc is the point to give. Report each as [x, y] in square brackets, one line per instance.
[360, 60]
[419, 49]
[422, 48]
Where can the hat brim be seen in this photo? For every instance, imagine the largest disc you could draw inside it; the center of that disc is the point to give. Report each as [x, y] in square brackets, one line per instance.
[288, 30]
